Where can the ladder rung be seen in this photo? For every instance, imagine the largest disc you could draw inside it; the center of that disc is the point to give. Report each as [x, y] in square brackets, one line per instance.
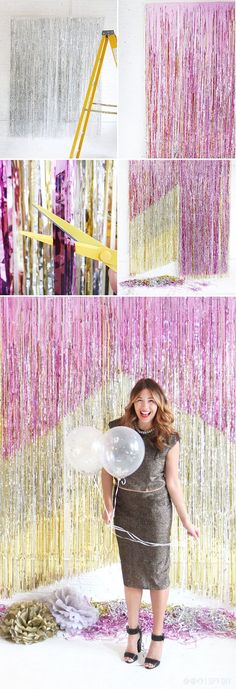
[106, 105]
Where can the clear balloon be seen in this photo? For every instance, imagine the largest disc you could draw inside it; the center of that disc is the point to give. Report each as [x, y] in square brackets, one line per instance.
[84, 449]
[124, 451]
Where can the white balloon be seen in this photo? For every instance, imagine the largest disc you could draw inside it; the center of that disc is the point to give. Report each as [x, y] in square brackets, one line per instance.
[124, 451]
[84, 449]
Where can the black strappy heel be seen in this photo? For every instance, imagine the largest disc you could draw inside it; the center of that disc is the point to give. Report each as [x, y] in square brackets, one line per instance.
[152, 661]
[128, 654]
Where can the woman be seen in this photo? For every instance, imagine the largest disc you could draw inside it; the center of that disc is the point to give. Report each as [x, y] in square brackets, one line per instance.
[144, 508]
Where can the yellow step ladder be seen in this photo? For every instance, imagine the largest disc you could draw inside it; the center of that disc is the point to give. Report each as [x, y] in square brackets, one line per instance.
[107, 37]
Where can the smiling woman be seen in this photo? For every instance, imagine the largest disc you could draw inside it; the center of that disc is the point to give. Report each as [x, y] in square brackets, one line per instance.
[143, 508]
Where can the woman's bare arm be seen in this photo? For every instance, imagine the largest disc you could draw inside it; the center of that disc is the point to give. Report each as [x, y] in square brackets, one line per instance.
[107, 483]
[175, 490]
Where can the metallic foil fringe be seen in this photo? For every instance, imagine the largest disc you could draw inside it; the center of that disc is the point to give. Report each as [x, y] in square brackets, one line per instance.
[179, 211]
[51, 64]
[190, 80]
[181, 623]
[79, 191]
[68, 362]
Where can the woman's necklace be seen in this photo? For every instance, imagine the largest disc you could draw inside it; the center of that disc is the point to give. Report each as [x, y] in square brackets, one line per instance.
[144, 432]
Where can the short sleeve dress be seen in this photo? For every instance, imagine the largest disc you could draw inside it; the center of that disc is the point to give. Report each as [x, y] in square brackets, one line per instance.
[144, 508]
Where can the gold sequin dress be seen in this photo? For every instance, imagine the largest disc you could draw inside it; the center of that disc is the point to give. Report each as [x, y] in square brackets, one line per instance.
[144, 508]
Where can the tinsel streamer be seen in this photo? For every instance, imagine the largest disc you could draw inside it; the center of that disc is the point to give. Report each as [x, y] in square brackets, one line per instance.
[71, 362]
[181, 623]
[51, 64]
[176, 285]
[190, 80]
[179, 210]
[158, 281]
[75, 190]
[6, 243]
[204, 217]
[64, 247]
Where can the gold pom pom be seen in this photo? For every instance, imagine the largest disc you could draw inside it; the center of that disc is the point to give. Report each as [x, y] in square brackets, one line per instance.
[28, 622]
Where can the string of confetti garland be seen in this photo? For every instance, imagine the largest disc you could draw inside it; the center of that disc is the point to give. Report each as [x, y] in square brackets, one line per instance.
[51, 63]
[75, 190]
[179, 210]
[190, 80]
[89, 353]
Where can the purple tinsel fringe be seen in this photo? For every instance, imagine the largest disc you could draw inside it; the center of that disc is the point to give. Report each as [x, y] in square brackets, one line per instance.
[184, 624]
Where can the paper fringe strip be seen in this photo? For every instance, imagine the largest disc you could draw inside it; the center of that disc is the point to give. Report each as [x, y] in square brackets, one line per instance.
[190, 80]
[79, 191]
[179, 211]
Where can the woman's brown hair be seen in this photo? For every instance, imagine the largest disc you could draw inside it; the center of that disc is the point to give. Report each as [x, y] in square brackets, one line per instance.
[162, 422]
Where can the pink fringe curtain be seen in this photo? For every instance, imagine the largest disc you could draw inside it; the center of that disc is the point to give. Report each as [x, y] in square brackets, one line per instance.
[187, 344]
[204, 210]
[190, 80]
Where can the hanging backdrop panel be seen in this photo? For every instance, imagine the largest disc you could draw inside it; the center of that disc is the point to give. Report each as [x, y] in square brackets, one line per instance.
[51, 64]
[76, 190]
[179, 210]
[72, 361]
[190, 80]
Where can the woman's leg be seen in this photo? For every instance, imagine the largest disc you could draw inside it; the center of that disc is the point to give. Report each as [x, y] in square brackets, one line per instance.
[133, 599]
[159, 600]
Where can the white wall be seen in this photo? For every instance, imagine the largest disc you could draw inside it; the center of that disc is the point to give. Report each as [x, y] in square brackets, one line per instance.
[123, 220]
[104, 146]
[131, 131]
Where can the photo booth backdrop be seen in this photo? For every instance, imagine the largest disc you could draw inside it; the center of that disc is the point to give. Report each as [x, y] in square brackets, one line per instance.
[51, 62]
[73, 361]
[179, 210]
[190, 80]
[77, 190]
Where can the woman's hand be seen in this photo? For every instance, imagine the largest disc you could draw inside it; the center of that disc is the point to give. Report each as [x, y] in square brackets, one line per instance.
[108, 514]
[191, 529]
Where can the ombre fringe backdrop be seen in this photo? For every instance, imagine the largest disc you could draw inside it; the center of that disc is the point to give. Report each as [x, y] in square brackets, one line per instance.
[190, 80]
[179, 211]
[81, 192]
[72, 361]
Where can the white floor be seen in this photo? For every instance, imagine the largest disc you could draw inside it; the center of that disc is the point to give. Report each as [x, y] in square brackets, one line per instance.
[62, 664]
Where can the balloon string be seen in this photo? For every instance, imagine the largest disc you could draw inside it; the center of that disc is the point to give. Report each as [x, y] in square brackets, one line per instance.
[136, 539]
[132, 537]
